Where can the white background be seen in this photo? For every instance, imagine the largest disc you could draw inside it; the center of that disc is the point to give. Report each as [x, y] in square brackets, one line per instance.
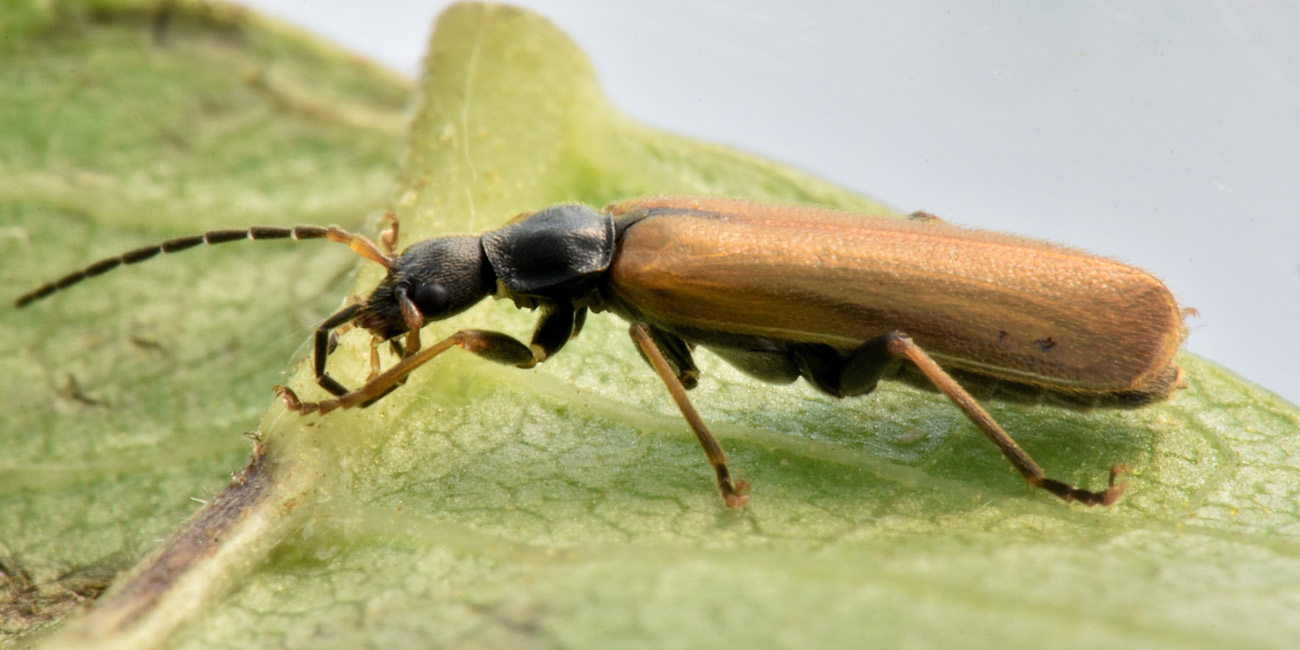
[1164, 134]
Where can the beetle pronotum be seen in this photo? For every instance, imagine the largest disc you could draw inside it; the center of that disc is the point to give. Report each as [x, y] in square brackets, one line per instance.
[782, 292]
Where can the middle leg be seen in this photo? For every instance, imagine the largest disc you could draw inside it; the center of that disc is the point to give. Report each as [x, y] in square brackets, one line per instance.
[734, 495]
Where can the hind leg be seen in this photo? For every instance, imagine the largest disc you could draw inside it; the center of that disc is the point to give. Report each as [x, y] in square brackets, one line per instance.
[860, 371]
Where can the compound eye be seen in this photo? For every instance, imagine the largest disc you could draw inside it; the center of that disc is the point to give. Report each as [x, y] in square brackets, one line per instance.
[432, 299]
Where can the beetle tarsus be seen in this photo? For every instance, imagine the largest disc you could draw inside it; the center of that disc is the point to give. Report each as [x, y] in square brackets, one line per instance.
[1087, 497]
[734, 496]
[290, 398]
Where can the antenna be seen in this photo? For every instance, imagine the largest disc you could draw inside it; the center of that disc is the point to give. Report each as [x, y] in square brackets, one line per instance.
[358, 243]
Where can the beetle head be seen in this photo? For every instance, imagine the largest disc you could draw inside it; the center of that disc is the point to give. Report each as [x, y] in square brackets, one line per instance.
[439, 277]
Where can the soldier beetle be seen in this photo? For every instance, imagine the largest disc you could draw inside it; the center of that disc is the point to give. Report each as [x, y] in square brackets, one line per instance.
[782, 292]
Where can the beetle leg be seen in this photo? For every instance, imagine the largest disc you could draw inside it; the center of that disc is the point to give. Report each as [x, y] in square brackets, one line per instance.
[678, 354]
[553, 331]
[554, 328]
[733, 495]
[579, 319]
[388, 238]
[325, 344]
[493, 346]
[375, 342]
[831, 372]
[900, 346]
[413, 319]
[327, 338]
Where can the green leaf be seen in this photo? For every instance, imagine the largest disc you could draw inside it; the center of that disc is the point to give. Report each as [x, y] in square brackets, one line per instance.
[490, 507]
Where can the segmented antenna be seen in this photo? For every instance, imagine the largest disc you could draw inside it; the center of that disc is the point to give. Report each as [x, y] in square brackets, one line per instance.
[358, 243]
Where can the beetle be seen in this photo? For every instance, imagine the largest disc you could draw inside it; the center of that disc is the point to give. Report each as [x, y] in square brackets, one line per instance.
[782, 292]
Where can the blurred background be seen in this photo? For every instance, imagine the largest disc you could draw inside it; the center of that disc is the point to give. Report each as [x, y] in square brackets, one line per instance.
[1166, 135]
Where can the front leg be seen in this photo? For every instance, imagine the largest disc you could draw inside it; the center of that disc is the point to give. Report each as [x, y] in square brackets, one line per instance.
[556, 326]
[325, 343]
[493, 346]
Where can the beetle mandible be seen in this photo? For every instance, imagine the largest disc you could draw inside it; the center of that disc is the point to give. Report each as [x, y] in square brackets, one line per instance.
[782, 292]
